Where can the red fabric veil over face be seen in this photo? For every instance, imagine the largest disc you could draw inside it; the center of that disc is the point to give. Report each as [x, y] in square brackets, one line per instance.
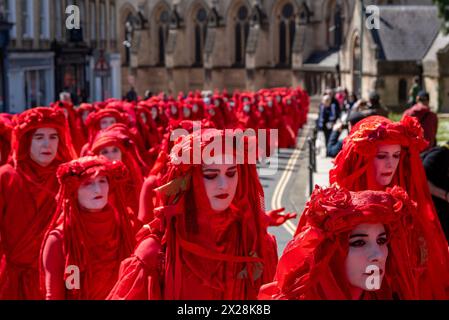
[95, 242]
[426, 236]
[226, 255]
[312, 266]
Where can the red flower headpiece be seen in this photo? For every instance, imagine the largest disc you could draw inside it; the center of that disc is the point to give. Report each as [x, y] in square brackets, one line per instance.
[73, 172]
[366, 135]
[335, 209]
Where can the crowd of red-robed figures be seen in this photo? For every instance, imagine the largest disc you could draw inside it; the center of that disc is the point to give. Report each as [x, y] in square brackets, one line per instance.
[44, 231]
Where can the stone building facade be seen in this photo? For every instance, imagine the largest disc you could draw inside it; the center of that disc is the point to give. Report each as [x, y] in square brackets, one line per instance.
[182, 45]
[44, 57]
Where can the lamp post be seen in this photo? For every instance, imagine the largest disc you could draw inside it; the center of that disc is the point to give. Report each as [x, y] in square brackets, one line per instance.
[362, 27]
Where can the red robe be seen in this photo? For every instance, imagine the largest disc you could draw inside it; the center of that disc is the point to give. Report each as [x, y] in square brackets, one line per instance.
[27, 204]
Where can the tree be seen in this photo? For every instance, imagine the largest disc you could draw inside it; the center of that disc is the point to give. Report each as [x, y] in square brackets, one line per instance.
[443, 8]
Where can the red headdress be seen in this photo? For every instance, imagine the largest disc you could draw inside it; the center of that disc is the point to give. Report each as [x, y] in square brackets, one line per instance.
[118, 135]
[351, 171]
[75, 226]
[93, 121]
[229, 253]
[33, 119]
[312, 266]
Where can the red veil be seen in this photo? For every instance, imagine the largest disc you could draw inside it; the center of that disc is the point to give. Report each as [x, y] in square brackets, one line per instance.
[27, 202]
[312, 266]
[95, 242]
[208, 256]
[426, 235]
[118, 135]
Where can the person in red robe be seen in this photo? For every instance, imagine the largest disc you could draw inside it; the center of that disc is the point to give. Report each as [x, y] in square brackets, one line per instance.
[352, 246]
[116, 144]
[209, 232]
[103, 119]
[380, 153]
[90, 234]
[28, 187]
[75, 130]
[149, 132]
[82, 112]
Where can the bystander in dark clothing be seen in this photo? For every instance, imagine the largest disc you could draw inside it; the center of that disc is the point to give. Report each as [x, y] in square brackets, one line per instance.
[425, 116]
[131, 96]
[375, 108]
[436, 164]
[335, 144]
[329, 112]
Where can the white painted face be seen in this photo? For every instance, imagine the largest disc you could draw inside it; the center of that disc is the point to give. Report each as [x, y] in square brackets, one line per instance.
[173, 109]
[154, 113]
[247, 108]
[195, 108]
[386, 163]
[186, 112]
[270, 104]
[261, 109]
[212, 112]
[278, 98]
[66, 113]
[217, 102]
[368, 251]
[220, 182]
[106, 122]
[143, 116]
[232, 104]
[44, 146]
[85, 115]
[93, 194]
[113, 153]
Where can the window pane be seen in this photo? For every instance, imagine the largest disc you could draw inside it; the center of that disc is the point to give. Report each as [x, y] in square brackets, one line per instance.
[93, 21]
[243, 13]
[58, 19]
[287, 11]
[201, 15]
[42, 88]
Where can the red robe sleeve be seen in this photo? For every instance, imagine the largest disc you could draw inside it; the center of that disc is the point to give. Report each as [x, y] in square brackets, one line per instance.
[53, 262]
[139, 276]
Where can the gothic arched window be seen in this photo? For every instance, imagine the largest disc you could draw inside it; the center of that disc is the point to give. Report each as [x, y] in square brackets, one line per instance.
[162, 35]
[287, 29]
[241, 35]
[200, 27]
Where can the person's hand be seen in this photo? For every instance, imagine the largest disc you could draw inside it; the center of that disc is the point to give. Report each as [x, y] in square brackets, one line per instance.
[276, 219]
[338, 126]
[329, 125]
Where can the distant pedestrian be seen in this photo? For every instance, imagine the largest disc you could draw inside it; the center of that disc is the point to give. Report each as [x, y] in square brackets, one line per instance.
[425, 116]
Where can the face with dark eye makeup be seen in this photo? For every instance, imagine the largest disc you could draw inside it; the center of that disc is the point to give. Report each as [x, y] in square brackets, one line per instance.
[368, 250]
[220, 181]
[386, 163]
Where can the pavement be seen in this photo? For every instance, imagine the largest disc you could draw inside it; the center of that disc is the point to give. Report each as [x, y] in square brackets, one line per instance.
[287, 186]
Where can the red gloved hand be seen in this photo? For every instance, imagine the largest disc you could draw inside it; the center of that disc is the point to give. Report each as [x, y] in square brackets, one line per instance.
[276, 219]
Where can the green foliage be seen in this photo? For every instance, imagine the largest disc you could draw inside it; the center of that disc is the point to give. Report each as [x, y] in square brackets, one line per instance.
[443, 8]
